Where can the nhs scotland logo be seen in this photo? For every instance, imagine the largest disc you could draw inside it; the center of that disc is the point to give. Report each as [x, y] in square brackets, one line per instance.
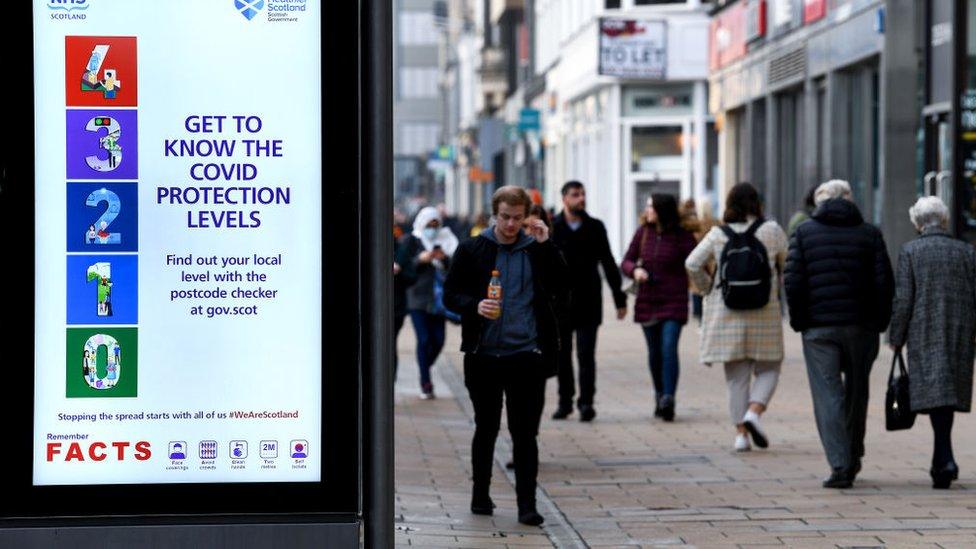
[67, 9]
[249, 8]
[67, 5]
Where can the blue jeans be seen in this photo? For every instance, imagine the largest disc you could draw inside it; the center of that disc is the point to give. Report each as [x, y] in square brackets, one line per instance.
[662, 351]
[430, 340]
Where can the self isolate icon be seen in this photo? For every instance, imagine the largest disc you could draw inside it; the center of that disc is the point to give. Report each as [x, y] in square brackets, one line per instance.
[299, 449]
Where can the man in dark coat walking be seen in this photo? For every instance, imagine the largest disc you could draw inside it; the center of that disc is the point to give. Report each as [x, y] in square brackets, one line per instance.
[839, 287]
[583, 241]
[510, 344]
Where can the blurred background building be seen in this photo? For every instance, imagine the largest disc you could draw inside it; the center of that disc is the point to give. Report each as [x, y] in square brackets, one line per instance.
[875, 92]
[417, 100]
[688, 97]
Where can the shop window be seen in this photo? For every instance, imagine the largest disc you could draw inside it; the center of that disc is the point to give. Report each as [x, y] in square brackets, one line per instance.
[820, 173]
[789, 120]
[417, 28]
[644, 190]
[419, 82]
[756, 148]
[862, 161]
[711, 158]
[656, 149]
[966, 203]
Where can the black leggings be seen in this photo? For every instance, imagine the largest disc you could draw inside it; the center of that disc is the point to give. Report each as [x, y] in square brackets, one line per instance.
[941, 419]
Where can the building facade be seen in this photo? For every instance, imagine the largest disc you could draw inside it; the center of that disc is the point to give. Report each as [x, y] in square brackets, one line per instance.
[624, 108]
[810, 90]
[417, 99]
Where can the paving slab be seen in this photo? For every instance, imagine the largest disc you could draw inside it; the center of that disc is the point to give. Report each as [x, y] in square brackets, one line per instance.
[628, 479]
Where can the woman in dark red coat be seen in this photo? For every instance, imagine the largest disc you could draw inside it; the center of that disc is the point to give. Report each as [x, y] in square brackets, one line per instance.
[656, 262]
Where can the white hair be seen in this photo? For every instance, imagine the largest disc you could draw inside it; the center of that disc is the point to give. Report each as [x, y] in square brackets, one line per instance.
[835, 188]
[929, 211]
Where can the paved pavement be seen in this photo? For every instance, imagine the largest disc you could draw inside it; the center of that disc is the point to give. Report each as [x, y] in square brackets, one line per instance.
[629, 480]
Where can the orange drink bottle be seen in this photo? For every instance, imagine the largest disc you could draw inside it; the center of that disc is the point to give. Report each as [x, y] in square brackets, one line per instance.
[495, 290]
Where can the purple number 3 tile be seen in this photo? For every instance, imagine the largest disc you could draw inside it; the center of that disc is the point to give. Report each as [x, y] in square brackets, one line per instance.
[102, 144]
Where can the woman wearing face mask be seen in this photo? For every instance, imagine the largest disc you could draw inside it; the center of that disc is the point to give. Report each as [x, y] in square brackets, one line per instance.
[429, 247]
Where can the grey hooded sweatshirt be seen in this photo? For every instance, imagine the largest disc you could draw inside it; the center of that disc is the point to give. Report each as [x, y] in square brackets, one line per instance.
[514, 331]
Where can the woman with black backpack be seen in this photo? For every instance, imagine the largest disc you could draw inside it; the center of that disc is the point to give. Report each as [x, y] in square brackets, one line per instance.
[742, 325]
[655, 260]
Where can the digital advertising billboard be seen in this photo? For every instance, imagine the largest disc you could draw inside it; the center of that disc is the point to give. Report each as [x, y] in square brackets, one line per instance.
[178, 254]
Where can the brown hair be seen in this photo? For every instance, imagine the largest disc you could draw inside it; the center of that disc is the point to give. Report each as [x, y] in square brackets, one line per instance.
[511, 195]
[742, 201]
[689, 216]
[541, 213]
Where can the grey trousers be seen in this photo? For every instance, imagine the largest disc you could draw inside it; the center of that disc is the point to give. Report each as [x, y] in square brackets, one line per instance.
[739, 374]
[839, 360]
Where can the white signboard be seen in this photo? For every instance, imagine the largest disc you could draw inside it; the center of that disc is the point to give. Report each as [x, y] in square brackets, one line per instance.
[178, 241]
[633, 48]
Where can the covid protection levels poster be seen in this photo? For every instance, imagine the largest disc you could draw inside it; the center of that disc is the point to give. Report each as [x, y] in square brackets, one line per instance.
[178, 241]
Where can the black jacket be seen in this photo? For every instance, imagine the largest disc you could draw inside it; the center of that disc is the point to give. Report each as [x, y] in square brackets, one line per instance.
[837, 271]
[467, 285]
[583, 249]
[404, 280]
[420, 292]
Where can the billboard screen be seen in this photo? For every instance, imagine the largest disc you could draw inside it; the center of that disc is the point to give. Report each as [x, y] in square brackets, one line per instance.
[178, 249]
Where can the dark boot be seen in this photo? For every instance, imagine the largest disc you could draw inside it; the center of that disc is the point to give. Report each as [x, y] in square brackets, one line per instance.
[839, 478]
[528, 515]
[481, 503]
[667, 408]
[587, 413]
[562, 412]
[942, 477]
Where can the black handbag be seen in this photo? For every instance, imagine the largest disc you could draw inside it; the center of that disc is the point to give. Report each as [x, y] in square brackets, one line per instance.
[898, 407]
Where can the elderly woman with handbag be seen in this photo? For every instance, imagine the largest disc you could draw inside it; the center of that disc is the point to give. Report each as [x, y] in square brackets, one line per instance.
[935, 315]
[655, 260]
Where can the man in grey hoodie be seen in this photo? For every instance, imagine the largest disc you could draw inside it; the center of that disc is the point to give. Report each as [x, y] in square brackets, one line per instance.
[510, 345]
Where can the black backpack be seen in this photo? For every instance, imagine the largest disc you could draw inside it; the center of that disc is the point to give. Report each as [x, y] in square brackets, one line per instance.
[745, 277]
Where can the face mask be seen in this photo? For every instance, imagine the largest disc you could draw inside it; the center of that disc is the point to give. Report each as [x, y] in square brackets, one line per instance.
[430, 233]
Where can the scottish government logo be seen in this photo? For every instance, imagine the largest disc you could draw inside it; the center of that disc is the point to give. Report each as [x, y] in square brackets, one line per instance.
[249, 8]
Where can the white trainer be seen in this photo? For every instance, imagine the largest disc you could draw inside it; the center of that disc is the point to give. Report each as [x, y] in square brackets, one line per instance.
[742, 443]
[751, 421]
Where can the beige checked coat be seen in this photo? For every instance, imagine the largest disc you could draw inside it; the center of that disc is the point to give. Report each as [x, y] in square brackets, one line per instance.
[729, 335]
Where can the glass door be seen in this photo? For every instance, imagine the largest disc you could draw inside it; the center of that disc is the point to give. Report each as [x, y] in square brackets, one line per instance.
[656, 161]
[938, 179]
